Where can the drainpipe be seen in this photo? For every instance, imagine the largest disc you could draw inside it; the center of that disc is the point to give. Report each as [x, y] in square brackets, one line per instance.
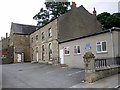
[113, 49]
[14, 54]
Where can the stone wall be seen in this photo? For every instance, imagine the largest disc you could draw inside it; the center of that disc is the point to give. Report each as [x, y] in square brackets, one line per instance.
[53, 40]
[22, 42]
[94, 72]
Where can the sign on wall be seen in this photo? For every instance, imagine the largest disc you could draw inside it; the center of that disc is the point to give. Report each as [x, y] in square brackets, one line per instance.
[88, 46]
[18, 50]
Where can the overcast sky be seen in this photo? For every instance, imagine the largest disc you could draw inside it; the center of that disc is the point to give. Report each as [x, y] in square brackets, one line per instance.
[22, 11]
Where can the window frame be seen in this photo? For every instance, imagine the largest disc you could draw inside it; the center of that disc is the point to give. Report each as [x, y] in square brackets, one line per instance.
[50, 51]
[32, 51]
[43, 36]
[36, 37]
[43, 52]
[67, 51]
[101, 47]
[77, 49]
[37, 49]
[50, 32]
[32, 39]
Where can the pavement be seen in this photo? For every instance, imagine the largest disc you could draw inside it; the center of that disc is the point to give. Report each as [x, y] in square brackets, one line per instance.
[108, 82]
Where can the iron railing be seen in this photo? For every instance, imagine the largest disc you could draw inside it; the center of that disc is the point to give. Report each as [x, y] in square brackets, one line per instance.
[107, 62]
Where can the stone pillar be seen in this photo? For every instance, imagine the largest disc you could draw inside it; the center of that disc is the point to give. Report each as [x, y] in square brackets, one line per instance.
[89, 60]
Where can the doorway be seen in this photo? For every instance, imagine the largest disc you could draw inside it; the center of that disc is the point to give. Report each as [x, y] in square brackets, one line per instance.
[37, 57]
[19, 57]
[61, 56]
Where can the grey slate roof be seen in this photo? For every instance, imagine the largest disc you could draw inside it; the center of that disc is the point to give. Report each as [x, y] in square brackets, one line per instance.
[22, 28]
[76, 23]
[93, 34]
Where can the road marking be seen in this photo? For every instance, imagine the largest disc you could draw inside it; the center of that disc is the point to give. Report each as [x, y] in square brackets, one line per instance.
[117, 86]
[75, 73]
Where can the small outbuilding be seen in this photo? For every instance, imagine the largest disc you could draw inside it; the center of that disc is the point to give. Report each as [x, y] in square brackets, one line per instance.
[104, 44]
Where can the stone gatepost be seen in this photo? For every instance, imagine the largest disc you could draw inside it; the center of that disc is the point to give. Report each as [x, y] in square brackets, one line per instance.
[89, 60]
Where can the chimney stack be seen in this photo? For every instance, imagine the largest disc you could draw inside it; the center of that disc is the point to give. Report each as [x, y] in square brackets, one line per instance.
[73, 5]
[94, 12]
[6, 35]
[1, 38]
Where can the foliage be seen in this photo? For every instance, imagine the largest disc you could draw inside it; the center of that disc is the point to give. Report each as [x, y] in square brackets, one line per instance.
[42, 17]
[108, 20]
[52, 10]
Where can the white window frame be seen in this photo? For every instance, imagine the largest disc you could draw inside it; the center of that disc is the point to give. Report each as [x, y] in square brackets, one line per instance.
[76, 49]
[66, 48]
[50, 32]
[101, 47]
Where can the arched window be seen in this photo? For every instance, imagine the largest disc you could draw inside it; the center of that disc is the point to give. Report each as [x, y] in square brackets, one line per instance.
[43, 53]
[43, 36]
[32, 54]
[49, 32]
[50, 51]
[36, 49]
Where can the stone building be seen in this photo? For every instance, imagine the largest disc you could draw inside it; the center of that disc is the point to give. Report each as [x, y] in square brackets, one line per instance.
[6, 50]
[45, 40]
[20, 41]
[44, 43]
[30, 43]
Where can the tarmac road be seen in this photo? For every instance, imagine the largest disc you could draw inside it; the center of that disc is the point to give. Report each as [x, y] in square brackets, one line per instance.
[29, 75]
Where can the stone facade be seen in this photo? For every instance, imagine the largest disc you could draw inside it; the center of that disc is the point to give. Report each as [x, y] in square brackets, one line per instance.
[42, 38]
[22, 46]
[6, 50]
[20, 41]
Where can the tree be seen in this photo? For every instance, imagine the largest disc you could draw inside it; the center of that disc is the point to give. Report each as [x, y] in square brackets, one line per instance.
[42, 17]
[57, 8]
[52, 10]
[108, 20]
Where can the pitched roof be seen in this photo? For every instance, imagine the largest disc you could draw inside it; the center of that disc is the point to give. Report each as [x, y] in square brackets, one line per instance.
[76, 23]
[22, 28]
[93, 34]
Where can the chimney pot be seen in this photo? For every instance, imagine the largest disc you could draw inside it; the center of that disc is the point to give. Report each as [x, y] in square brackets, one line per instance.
[94, 12]
[73, 5]
[6, 35]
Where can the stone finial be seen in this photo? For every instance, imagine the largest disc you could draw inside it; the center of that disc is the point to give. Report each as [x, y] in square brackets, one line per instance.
[88, 55]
